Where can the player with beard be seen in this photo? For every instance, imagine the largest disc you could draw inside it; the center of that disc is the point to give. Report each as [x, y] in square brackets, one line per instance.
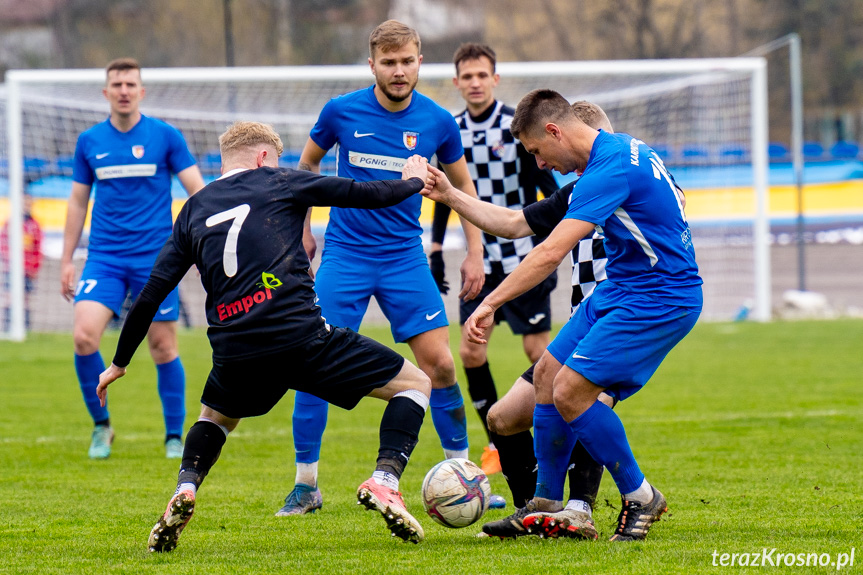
[379, 252]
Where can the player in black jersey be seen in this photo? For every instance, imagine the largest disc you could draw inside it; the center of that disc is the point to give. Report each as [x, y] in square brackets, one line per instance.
[504, 174]
[244, 233]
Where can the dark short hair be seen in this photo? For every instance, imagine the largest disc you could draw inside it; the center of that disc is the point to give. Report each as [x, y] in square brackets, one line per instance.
[474, 51]
[392, 35]
[122, 64]
[538, 108]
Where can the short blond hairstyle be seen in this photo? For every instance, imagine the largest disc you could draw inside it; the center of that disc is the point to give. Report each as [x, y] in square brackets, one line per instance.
[592, 115]
[392, 35]
[241, 135]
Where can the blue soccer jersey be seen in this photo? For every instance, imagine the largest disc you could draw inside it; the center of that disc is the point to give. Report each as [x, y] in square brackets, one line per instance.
[132, 172]
[627, 192]
[373, 144]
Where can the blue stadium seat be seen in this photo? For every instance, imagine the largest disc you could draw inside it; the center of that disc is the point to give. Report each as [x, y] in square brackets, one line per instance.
[664, 151]
[844, 150]
[211, 163]
[813, 151]
[778, 152]
[36, 165]
[692, 154]
[731, 153]
[65, 165]
[290, 159]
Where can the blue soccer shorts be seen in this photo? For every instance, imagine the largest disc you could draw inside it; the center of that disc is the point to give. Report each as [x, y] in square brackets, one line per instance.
[401, 283]
[110, 283]
[617, 339]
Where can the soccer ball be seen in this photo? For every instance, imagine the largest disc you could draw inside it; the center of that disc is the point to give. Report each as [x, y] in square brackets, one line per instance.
[456, 493]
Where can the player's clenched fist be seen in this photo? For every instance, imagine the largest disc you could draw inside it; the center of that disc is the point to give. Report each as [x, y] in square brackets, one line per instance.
[416, 167]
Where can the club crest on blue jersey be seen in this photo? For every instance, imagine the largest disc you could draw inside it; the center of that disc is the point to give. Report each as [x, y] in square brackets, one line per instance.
[409, 139]
[138, 151]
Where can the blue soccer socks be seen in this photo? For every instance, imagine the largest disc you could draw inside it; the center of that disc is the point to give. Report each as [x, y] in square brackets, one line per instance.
[172, 391]
[88, 368]
[309, 422]
[601, 432]
[553, 443]
[447, 410]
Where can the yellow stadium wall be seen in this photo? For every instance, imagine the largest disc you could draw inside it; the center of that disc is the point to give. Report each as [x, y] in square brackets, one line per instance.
[831, 199]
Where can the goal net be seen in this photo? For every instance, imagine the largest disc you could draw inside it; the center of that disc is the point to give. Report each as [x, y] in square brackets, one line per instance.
[707, 118]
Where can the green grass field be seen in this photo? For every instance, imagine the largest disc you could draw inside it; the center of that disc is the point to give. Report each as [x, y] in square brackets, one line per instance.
[752, 431]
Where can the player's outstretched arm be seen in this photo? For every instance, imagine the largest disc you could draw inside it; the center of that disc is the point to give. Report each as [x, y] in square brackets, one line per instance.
[472, 271]
[535, 267]
[76, 213]
[496, 220]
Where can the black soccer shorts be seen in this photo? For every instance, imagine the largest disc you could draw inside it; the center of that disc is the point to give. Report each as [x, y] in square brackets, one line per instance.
[339, 366]
[527, 314]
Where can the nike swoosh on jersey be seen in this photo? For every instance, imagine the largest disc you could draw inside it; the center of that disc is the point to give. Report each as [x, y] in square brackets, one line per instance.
[536, 319]
[100, 156]
[430, 317]
[166, 310]
[358, 135]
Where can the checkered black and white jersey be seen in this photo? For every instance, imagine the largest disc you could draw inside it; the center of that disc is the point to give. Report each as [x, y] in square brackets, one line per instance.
[588, 257]
[505, 175]
[588, 267]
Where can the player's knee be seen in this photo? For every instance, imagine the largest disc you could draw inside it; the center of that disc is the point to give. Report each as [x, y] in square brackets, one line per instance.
[442, 371]
[472, 355]
[86, 340]
[163, 345]
[495, 421]
[414, 378]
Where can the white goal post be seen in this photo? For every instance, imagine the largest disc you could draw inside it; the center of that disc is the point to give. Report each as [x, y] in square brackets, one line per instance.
[708, 116]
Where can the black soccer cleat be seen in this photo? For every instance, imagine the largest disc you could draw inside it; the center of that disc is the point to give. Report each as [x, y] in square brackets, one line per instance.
[511, 526]
[635, 519]
[166, 533]
[568, 523]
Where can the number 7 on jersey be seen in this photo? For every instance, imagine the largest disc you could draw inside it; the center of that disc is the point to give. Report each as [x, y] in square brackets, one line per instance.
[238, 214]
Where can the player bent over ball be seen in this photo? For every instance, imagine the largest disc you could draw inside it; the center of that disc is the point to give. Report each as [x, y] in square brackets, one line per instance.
[244, 233]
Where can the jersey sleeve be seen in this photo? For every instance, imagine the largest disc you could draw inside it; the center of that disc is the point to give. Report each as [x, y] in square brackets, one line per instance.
[173, 262]
[81, 171]
[316, 190]
[324, 131]
[179, 156]
[544, 215]
[450, 149]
